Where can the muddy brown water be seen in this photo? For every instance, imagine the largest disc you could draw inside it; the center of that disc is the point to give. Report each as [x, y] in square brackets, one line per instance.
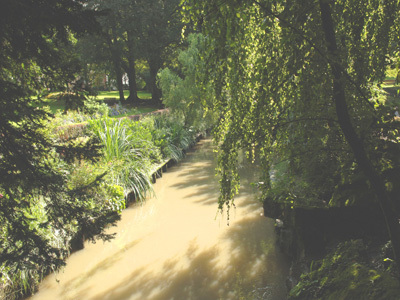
[176, 246]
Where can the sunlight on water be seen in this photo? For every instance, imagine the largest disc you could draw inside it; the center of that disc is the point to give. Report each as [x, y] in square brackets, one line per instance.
[176, 246]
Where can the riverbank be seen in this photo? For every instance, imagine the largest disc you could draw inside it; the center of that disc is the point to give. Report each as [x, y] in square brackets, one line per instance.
[130, 156]
[336, 253]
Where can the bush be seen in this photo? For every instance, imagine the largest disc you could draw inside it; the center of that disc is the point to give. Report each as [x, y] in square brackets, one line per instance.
[95, 108]
[171, 137]
[345, 274]
[116, 110]
[129, 152]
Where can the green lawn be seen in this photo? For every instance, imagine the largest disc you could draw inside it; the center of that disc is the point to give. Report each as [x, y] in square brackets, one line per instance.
[115, 94]
[56, 105]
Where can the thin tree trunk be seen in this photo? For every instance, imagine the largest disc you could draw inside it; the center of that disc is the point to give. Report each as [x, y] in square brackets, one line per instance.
[355, 142]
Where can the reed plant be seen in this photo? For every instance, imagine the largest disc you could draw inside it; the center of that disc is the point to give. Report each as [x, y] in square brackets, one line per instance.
[125, 154]
[114, 137]
[133, 175]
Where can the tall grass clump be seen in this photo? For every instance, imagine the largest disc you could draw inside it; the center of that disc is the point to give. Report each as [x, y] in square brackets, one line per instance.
[116, 139]
[128, 152]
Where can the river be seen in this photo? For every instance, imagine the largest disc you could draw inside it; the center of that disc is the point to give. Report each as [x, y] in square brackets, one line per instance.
[175, 246]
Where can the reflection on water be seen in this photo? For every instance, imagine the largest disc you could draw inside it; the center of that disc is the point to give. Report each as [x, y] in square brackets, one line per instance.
[176, 246]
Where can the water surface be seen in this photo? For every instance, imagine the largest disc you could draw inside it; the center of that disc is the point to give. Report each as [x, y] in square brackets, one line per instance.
[176, 246]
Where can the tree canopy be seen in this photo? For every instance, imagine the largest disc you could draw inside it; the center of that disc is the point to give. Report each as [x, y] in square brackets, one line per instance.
[297, 84]
[180, 90]
[132, 31]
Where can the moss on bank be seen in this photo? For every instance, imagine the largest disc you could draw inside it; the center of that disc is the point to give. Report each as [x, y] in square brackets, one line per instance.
[346, 273]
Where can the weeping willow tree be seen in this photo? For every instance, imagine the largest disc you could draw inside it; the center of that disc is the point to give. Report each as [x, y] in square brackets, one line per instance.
[297, 85]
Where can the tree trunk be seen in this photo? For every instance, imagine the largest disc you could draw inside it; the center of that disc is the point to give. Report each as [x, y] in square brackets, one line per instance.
[116, 59]
[132, 98]
[131, 71]
[355, 142]
[155, 65]
[118, 77]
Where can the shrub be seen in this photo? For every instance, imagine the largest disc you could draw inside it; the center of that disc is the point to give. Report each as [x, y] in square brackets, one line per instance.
[129, 152]
[171, 136]
[116, 110]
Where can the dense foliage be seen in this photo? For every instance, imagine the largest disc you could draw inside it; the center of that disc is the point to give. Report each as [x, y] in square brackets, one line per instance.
[296, 86]
[58, 187]
[346, 273]
[182, 93]
[33, 170]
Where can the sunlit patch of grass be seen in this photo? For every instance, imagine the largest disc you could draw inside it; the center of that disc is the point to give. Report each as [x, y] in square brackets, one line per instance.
[115, 94]
[55, 105]
[144, 95]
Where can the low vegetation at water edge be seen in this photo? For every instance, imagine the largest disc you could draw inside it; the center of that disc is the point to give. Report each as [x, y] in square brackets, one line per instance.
[97, 190]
